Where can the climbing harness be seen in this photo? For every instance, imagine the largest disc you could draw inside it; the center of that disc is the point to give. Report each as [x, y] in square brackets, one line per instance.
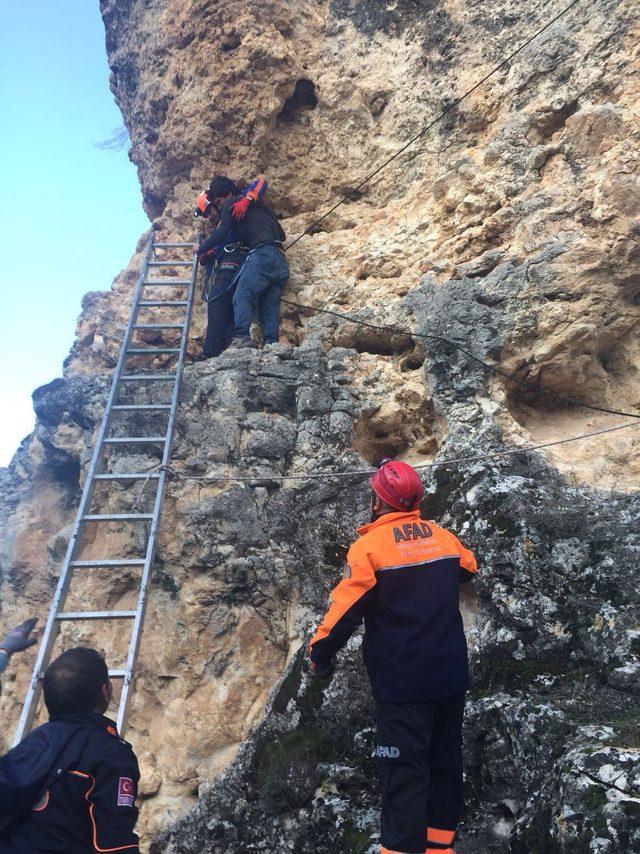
[209, 282]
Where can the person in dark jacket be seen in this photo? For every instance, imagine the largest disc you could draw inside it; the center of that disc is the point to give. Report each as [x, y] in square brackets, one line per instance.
[17, 641]
[265, 272]
[71, 785]
[402, 580]
[222, 265]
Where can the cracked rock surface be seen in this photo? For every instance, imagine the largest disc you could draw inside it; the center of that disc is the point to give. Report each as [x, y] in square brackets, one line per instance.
[510, 238]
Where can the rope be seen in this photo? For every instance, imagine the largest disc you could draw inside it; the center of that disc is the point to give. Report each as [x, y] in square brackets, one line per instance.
[431, 124]
[408, 334]
[368, 472]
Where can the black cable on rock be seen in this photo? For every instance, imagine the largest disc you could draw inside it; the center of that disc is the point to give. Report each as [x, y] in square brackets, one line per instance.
[431, 124]
[530, 386]
[360, 473]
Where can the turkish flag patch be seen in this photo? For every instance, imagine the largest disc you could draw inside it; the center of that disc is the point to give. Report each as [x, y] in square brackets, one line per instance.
[125, 792]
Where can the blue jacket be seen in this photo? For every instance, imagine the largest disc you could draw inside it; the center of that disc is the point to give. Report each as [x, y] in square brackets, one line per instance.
[70, 786]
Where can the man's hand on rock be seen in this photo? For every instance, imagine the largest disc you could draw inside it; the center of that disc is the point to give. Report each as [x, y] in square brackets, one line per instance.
[325, 671]
[18, 639]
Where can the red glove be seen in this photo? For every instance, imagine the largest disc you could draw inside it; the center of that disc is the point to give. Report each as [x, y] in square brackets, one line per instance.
[239, 209]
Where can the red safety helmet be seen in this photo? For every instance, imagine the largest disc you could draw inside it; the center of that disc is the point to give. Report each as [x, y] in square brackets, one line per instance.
[398, 484]
[202, 205]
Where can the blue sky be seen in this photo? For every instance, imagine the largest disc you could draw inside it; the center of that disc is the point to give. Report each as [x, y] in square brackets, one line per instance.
[70, 213]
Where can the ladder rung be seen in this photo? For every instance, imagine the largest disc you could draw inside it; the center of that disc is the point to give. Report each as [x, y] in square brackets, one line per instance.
[127, 476]
[141, 351]
[90, 564]
[135, 440]
[167, 303]
[159, 326]
[172, 245]
[140, 378]
[117, 517]
[170, 263]
[117, 674]
[167, 283]
[122, 407]
[96, 615]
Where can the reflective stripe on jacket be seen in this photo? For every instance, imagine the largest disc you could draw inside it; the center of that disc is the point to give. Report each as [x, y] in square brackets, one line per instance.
[90, 807]
[403, 577]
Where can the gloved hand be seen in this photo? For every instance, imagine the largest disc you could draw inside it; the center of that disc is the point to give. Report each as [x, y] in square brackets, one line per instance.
[18, 639]
[239, 209]
[325, 672]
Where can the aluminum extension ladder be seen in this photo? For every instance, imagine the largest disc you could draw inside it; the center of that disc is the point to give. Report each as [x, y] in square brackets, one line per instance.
[95, 475]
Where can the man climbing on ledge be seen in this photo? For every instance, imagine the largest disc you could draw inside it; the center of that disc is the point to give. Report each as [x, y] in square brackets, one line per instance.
[402, 579]
[222, 265]
[265, 272]
[71, 784]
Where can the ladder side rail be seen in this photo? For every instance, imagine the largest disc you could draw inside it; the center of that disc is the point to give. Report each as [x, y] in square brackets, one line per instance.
[51, 628]
[134, 646]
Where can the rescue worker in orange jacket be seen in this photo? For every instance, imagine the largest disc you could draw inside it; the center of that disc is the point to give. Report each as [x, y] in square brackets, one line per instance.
[402, 580]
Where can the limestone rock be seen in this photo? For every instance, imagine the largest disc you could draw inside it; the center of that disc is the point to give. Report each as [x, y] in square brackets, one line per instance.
[507, 237]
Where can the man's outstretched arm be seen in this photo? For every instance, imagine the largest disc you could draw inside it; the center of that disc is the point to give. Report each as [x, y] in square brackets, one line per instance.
[468, 563]
[17, 641]
[350, 602]
[254, 192]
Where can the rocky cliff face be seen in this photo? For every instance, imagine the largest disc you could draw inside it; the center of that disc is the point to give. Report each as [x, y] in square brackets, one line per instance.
[512, 229]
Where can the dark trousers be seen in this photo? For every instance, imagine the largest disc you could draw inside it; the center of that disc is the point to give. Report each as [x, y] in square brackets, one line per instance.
[260, 285]
[419, 757]
[219, 324]
[219, 309]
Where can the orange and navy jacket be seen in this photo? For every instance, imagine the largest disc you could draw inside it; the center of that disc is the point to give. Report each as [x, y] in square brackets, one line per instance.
[402, 580]
[91, 805]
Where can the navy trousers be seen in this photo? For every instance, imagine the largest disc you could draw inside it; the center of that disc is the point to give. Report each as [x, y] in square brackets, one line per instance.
[218, 285]
[219, 324]
[419, 758]
[260, 286]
